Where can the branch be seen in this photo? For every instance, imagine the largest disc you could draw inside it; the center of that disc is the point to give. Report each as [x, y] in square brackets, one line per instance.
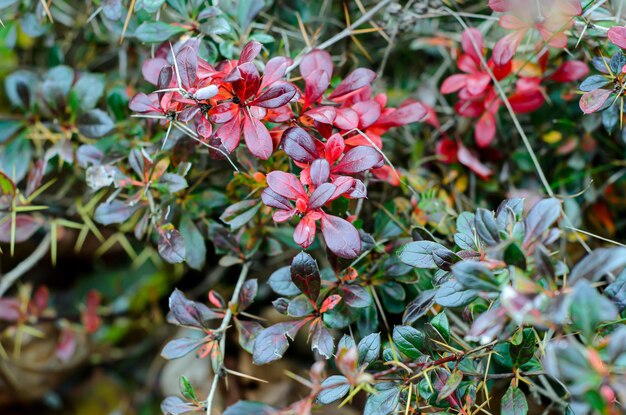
[234, 300]
[9, 279]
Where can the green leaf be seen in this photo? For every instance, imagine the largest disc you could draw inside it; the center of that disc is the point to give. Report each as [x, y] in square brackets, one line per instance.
[333, 388]
[369, 349]
[7, 187]
[419, 254]
[440, 322]
[20, 88]
[513, 255]
[196, 254]
[157, 32]
[451, 385]
[186, 389]
[384, 401]
[409, 341]
[486, 227]
[475, 275]
[514, 402]
[86, 93]
[95, 124]
[589, 308]
[523, 349]
[453, 294]
[240, 213]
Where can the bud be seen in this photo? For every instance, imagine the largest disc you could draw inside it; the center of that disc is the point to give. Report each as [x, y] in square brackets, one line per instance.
[207, 92]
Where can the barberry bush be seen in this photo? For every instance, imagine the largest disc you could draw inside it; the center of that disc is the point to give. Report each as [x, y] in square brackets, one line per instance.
[282, 207]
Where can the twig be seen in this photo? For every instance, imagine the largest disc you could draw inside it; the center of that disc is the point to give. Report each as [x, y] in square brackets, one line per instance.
[9, 279]
[222, 329]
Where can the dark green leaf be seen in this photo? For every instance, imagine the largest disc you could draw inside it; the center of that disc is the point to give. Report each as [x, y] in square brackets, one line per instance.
[333, 388]
[514, 256]
[409, 341]
[418, 307]
[453, 294]
[196, 254]
[524, 350]
[475, 275]
[281, 283]
[486, 227]
[95, 124]
[157, 32]
[599, 263]
[384, 401]
[419, 254]
[589, 308]
[541, 217]
[514, 402]
[369, 349]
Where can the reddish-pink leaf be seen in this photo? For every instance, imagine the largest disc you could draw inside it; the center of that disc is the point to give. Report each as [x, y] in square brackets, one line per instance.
[304, 233]
[409, 112]
[223, 112]
[500, 5]
[344, 185]
[570, 71]
[617, 35]
[275, 69]
[358, 160]
[356, 80]
[505, 48]
[470, 37]
[278, 94]
[525, 102]
[346, 119]
[594, 100]
[485, 130]
[321, 195]
[230, 133]
[257, 137]
[250, 51]
[187, 61]
[299, 145]
[143, 103]
[477, 83]
[286, 185]
[151, 69]
[204, 128]
[369, 112]
[319, 171]
[468, 159]
[454, 83]
[330, 303]
[324, 115]
[316, 84]
[273, 199]
[341, 237]
[314, 60]
[245, 80]
[25, 227]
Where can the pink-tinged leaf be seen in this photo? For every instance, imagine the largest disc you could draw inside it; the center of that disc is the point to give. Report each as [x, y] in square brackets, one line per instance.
[66, 346]
[283, 215]
[250, 51]
[180, 347]
[223, 112]
[314, 60]
[171, 245]
[501, 5]
[356, 80]
[143, 103]
[525, 102]
[286, 185]
[511, 22]
[322, 340]
[341, 237]
[369, 112]
[187, 61]
[358, 160]
[272, 343]
[477, 83]
[359, 191]
[324, 115]
[408, 113]
[248, 293]
[321, 195]
[344, 185]
[273, 199]
[485, 130]
[334, 148]
[114, 212]
[151, 69]
[468, 159]
[248, 330]
[594, 100]
[188, 113]
[204, 128]
[189, 313]
[278, 94]
[617, 35]
[470, 37]
[304, 233]
[164, 80]
[305, 274]
[570, 71]
[275, 69]
[299, 145]
[505, 48]
[245, 80]
[316, 84]
[257, 137]
[454, 83]
[230, 133]
[330, 303]
[10, 309]
[176, 406]
[319, 171]
[346, 119]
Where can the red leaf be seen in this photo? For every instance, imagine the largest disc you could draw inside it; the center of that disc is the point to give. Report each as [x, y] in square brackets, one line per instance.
[346, 119]
[594, 100]
[144, 103]
[470, 37]
[230, 133]
[321, 195]
[286, 185]
[275, 96]
[570, 71]
[187, 61]
[299, 145]
[319, 171]
[409, 112]
[341, 237]
[151, 69]
[305, 274]
[275, 69]
[617, 35]
[485, 130]
[304, 234]
[468, 159]
[525, 102]
[250, 51]
[369, 112]
[314, 60]
[316, 84]
[223, 112]
[257, 137]
[454, 83]
[245, 80]
[356, 80]
[330, 303]
[505, 48]
[324, 115]
[359, 159]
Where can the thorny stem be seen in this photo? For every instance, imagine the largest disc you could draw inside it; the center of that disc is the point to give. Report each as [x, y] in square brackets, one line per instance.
[234, 300]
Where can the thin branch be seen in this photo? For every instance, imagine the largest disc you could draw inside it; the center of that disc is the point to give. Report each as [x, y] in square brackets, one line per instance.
[9, 279]
[223, 327]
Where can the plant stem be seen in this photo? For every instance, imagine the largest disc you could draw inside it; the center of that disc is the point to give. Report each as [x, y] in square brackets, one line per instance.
[24, 266]
[234, 300]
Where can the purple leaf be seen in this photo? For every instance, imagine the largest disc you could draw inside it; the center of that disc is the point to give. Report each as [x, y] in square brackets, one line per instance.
[114, 212]
[359, 159]
[275, 96]
[180, 347]
[272, 343]
[322, 340]
[321, 195]
[305, 274]
[341, 237]
[299, 145]
[357, 79]
[189, 313]
[320, 171]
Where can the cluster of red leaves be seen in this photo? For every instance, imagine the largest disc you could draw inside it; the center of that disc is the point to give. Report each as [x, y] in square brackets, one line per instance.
[550, 18]
[332, 134]
[479, 98]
